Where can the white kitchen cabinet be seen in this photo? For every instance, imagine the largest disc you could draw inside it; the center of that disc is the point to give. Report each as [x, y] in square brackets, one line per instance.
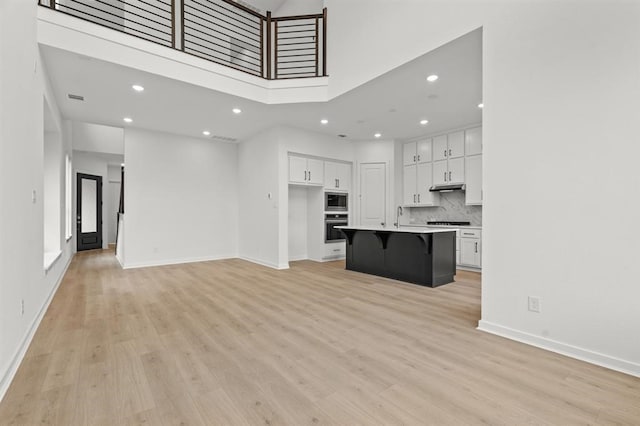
[448, 146]
[470, 248]
[337, 176]
[473, 179]
[417, 152]
[448, 171]
[473, 141]
[417, 181]
[308, 171]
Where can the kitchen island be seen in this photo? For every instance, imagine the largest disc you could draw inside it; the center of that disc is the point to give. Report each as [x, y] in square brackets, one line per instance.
[416, 255]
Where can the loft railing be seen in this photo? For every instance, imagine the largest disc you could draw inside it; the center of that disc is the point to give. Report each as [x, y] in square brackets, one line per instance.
[220, 31]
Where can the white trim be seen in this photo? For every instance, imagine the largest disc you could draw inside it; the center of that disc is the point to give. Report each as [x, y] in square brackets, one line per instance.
[267, 264]
[15, 362]
[582, 354]
[172, 261]
[299, 257]
[50, 258]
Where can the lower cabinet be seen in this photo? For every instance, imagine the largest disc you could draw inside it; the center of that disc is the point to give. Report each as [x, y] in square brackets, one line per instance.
[470, 248]
[334, 250]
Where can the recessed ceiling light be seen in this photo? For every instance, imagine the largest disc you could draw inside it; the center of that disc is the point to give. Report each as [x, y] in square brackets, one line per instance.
[377, 135]
[236, 110]
[432, 78]
[128, 120]
[121, 164]
[324, 121]
[424, 122]
[480, 105]
[206, 133]
[137, 88]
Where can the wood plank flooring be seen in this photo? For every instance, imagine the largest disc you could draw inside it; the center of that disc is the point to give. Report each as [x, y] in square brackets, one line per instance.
[233, 343]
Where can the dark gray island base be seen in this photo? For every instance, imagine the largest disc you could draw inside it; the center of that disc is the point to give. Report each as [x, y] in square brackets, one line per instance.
[420, 256]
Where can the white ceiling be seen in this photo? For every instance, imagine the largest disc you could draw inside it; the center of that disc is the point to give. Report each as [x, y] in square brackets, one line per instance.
[392, 104]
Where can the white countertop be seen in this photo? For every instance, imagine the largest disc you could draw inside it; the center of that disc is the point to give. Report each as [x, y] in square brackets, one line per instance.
[418, 225]
[405, 229]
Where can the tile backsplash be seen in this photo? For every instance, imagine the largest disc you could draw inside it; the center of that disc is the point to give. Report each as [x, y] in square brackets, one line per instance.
[451, 207]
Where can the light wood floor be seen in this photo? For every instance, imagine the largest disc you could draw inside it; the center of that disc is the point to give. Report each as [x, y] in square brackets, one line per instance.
[233, 343]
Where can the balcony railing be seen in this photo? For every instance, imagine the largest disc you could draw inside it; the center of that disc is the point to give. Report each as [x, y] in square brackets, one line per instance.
[220, 31]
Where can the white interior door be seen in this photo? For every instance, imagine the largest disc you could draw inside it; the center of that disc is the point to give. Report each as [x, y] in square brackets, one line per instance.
[373, 194]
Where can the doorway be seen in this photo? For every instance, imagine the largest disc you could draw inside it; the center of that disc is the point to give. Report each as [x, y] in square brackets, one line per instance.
[373, 194]
[89, 212]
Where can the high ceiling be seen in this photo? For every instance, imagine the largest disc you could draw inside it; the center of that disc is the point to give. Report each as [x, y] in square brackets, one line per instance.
[392, 104]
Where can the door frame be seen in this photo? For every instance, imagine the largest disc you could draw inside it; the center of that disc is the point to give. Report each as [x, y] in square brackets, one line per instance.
[99, 236]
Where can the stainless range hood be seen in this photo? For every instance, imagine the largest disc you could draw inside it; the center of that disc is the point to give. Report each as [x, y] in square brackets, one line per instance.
[450, 187]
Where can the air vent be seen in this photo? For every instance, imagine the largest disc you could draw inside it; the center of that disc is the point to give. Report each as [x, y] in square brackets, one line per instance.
[75, 97]
[224, 138]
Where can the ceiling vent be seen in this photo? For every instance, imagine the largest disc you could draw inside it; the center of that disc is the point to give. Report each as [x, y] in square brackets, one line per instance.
[224, 139]
[75, 97]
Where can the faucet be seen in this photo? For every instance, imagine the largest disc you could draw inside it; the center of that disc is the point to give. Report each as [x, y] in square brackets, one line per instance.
[398, 214]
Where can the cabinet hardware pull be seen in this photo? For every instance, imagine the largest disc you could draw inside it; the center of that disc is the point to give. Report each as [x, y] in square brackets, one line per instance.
[414, 198]
[305, 175]
[467, 233]
[418, 198]
[449, 152]
[445, 176]
[476, 247]
[414, 158]
[418, 157]
[336, 183]
[309, 175]
[449, 176]
[445, 152]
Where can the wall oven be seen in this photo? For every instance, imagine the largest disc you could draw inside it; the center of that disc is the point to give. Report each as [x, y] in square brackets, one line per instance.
[331, 234]
[336, 202]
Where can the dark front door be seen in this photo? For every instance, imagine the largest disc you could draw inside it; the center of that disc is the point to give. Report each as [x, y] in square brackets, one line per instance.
[89, 209]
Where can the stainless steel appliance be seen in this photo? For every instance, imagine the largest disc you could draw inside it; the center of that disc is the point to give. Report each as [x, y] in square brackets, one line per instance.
[331, 234]
[336, 201]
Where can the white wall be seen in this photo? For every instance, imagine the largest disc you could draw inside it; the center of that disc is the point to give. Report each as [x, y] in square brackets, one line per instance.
[23, 83]
[258, 213]
[51, 192]
[181, 199]
[560, 84]
[299, 7]
[98, 138]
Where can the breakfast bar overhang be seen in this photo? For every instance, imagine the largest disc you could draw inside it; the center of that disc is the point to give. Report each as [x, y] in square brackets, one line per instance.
[416, 255]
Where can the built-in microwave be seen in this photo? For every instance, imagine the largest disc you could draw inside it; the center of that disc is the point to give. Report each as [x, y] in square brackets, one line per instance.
[336, 202]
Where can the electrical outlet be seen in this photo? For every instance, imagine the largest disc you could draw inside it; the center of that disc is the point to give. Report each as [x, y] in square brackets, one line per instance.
[534, 304]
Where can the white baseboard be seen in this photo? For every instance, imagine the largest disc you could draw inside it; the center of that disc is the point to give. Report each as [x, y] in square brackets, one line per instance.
[586, 355]
[267, 264]
[174, 261]
[298, 257]
[15, 362]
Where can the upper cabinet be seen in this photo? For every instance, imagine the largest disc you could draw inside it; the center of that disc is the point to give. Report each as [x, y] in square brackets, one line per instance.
[337, 176]
[417, 152]
[473, 170]
[473, 141]
[307, 171]
[448, 146]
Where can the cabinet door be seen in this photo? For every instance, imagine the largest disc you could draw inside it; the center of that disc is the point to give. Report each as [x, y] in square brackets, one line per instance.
[409, 155]
[456, 170]
[297, 169]
[440, 148]
[440, 172]
[456, 144]
[473, 180]
[330, 175]
[424, 180]
[315, 169]
[424, 151]
[470, 252]
[409, 196]
[473, 141]
[343, 175]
